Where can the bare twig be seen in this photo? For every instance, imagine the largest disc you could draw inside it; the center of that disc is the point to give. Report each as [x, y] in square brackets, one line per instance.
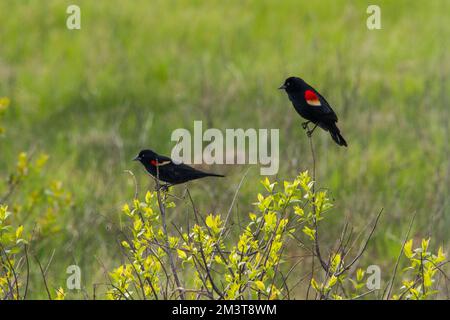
[135, 182]
[28, 273]
[227, 218]
[13, 271]
[316, 235]
[391, 282]
[43, 277]
[105, 272]
[364, 247]
[207, 265]
[310, 279]
[166, 235]
[49, 262]
[364, 294]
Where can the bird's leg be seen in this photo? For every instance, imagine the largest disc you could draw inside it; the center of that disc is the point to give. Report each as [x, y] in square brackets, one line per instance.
[309, 132]
[305, 124]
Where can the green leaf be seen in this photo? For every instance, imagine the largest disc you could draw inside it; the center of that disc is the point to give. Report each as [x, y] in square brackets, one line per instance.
[260, 285]
[425, 243]
[213, 222]
[441, 256]
[315, 285]
[260, 197]
[332, 281]
[218, 259]
[408, 249]
[148, 197]
[335, 262]
[182, 254]
[309, 232]
[19, 232]
[137, 224]
[359, 274]
[299, 211]
[210, 221]
[427, 279]
[126, 210]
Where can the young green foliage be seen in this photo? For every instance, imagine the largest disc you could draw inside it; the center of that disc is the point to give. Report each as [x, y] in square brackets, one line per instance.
[211, 264]
[11, 250]
[420, 275]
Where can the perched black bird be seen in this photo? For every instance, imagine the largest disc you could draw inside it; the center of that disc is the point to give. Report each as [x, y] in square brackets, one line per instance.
[164, 169]
[313, 107]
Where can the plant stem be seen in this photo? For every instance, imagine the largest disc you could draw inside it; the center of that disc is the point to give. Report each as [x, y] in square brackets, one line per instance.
[166, 238]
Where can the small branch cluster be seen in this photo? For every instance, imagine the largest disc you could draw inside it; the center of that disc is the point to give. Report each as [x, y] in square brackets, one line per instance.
[206, 262]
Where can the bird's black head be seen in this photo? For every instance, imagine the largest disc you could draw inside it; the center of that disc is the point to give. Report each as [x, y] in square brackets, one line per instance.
[293, 84]
[145, 156]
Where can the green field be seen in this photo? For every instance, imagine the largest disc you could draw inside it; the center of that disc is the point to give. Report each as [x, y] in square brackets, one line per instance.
[137, 70]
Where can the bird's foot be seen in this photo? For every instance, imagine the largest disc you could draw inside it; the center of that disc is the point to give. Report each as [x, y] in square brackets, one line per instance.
[310, 132]
[164, 187]
[305, 124]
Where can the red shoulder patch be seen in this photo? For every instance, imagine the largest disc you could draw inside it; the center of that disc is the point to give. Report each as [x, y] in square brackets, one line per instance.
[311, 98]
[310, 95]
[159, 164]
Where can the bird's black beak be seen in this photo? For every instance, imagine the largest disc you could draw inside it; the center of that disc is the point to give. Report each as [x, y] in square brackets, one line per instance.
[137, 158]
[282, 87]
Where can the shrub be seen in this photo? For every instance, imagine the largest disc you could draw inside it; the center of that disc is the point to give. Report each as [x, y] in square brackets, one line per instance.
[11, 246]
[419, 280]
[205, 262]
[26, 197]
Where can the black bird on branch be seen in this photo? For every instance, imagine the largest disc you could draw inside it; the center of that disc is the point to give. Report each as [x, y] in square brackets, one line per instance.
[164, 169]
[313, 107]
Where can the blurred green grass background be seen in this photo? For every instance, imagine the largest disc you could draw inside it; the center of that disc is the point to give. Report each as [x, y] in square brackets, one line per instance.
[92, 98]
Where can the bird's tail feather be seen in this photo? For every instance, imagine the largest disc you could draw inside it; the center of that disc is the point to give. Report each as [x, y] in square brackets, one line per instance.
[337, 137]
[213, 175]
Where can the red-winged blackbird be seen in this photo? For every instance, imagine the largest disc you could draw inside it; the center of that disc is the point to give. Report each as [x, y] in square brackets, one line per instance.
[313, 107]
[164, 169]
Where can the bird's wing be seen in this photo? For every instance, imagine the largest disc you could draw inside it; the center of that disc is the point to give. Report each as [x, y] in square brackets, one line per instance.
[187, 168]
[184, 171]
[161, 161]
[319, 104]
[327, 108]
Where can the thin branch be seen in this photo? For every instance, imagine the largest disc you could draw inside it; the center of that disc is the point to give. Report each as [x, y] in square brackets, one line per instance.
[105, 272]
[316, 235]
[207, 265]
[16, 281]
[135, 182]
[43, 276]
[229, 213]
[312, 276]
[364, 294]
[166, 235]
[49, 262]
[137, 274]
[391, 282]
[28, 273]
[364, 246]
